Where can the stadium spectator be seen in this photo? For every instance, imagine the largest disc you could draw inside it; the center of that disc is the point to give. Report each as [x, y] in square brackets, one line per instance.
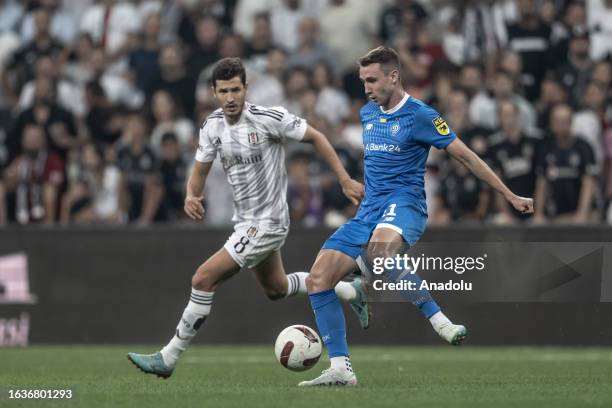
[483, 108]
[338, 209]
[553, 92]
[310, 49]
[602, 74]
[296, 83]
[140, 169]
[2, 204]
[97, 195]
[59, 125]
[355, 35]
[417, 56]
[599, 14]
[588, 122]
[257, 48]
[173, 169]
[110, 24]
[392, 16]
[457, 115]
[267, 89]
[351, 131]
[284, 20]
[81, 61]
[245, 12]
[11, 13]
[19, 68]
[576, 71]
[566, 173]
[561, 31]
[471, 80]
[511, 63]
[441, 87]
[143, 58]
[104, 121]
[168, 117]
[63, 27]
[34, 179]
[462, 197]
[476, 31]
[206, 50]
[512, 154]
[6, 121]
[332, 103]
[68, 95]
[530, 37]
[304, 194]
[174, 77]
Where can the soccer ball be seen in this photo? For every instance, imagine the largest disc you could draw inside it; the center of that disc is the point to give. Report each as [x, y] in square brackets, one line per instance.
[298, 348]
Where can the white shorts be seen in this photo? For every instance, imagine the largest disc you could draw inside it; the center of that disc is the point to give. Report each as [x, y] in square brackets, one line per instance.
[251, 242]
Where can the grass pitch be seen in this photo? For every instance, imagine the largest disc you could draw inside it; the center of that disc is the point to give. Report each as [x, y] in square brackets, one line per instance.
[249, 376]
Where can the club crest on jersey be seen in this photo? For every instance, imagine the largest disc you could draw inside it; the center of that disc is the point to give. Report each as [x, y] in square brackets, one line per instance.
[253, 137]
[441, 126]
[297, 122]
[251, 232]
[395, 128]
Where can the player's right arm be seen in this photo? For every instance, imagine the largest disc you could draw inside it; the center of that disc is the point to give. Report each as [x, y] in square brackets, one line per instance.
[194, 198]
[205, 155]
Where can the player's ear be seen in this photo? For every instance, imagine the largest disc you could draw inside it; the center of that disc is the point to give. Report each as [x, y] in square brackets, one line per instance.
[395, 76]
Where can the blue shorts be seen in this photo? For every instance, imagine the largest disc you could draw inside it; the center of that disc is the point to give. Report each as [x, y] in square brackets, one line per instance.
[406, 219]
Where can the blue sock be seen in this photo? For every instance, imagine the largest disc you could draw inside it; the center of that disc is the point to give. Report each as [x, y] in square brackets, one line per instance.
[421, 298]
[330, 320]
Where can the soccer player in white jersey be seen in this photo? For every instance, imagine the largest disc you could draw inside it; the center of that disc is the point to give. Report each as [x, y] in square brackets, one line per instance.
[249, 141]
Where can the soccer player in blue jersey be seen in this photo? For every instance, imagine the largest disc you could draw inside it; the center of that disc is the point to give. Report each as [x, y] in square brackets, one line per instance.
[398, 131]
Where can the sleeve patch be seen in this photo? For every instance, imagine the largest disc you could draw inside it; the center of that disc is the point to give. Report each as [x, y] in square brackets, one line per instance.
[441, 126]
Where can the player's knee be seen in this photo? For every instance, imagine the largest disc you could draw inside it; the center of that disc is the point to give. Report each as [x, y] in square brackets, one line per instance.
[275, 294]
[316, 281]
[202, 281]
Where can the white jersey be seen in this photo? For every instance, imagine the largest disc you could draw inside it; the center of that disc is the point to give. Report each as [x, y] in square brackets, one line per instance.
[252, 155]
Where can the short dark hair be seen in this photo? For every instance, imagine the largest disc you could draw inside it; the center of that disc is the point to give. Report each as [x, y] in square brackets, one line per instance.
[226, 69]
[387, 57]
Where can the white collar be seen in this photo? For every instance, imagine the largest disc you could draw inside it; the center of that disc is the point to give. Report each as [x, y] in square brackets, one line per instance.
[396, 107]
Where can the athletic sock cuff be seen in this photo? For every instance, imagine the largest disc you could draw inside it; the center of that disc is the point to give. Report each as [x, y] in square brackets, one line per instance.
[321, 299]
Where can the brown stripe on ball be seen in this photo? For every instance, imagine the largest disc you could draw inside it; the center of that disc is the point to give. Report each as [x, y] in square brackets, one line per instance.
[284, 358]
[309, 362]
[309, 335]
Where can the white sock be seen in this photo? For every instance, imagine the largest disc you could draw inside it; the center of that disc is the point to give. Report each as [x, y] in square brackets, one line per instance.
[194, 315]
[345, 291]
[342, 363]
[438, 320]
[296, 284]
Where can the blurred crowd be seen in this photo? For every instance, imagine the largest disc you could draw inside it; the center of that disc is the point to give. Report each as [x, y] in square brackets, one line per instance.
[101, 101]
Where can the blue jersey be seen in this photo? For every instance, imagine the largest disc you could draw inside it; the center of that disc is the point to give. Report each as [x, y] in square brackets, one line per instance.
[396, 145]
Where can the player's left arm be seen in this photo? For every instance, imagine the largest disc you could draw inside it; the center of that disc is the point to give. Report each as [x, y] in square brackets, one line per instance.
[480, 169]
[352, 189]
